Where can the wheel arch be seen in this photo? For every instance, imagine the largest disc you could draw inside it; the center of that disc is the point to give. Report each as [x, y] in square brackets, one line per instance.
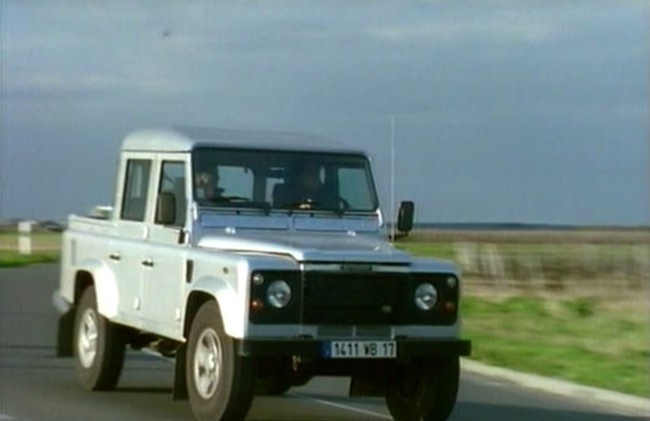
[82, 280]
[232, 307]
[195, 300]
[97, 274]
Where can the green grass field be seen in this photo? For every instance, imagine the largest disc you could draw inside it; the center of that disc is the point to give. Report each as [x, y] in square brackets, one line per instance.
[593, 336]
[45, 249]
[591, 341]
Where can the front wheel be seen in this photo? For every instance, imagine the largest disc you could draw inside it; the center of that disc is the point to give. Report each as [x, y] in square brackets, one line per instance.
[220, 382]
[424, 390]
[99, 346]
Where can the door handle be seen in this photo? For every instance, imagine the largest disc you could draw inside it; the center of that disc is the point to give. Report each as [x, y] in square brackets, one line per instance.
[115, 256]
[148, 263]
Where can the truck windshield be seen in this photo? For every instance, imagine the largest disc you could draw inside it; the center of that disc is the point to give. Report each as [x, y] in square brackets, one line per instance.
[282, 180]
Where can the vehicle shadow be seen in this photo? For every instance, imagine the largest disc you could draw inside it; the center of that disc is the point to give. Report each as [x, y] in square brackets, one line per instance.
[145, 390]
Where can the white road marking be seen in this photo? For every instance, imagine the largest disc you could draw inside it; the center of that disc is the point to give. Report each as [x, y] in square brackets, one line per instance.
[5, 417]
[344, 407]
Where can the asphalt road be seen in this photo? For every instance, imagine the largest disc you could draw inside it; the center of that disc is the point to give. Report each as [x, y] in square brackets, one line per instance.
[37, 386]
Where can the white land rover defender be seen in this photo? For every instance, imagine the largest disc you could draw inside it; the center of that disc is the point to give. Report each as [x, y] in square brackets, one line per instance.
[257, 260]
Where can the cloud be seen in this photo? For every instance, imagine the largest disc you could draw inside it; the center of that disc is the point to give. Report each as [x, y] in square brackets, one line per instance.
[480, 88]
[499, 27]
[44, 86]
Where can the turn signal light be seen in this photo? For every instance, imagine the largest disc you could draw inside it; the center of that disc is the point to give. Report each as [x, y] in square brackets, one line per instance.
[450, 306]
[257, 305]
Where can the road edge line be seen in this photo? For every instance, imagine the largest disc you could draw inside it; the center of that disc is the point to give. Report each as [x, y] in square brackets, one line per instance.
[560, 387]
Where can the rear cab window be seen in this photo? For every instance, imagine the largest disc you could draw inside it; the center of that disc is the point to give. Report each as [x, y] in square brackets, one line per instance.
[136, 188]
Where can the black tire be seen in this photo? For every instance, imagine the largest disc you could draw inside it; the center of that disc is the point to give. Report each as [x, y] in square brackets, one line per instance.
[424, 390]
[220, 383]
[98, 346]
[275, 376]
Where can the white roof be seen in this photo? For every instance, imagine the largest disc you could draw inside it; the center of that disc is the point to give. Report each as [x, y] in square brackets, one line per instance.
[184, 139]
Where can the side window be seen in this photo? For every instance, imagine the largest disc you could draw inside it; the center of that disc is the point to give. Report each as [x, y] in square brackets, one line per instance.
[134, 203]
[236, 181]
[172, 180]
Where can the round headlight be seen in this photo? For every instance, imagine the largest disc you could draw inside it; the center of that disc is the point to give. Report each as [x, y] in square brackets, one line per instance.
[278, 294]
[426, 296]
[452, 282]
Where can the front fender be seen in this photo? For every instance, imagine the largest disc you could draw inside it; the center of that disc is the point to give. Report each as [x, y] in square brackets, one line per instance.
[105, 286]
[232, 305]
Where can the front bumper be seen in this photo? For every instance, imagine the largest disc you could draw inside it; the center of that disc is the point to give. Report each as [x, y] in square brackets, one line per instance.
[406, 347]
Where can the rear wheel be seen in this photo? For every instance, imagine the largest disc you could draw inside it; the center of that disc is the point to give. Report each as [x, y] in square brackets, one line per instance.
[220, 383]
[99, 346]
[424, 390]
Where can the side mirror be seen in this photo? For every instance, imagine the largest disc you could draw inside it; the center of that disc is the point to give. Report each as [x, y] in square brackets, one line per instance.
[166, 208]
[405, 216]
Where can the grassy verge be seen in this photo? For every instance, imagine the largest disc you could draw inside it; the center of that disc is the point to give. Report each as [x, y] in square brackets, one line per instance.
[439, 250]
[45, 249]
[13, 259]
[591, 341]
[588, 321]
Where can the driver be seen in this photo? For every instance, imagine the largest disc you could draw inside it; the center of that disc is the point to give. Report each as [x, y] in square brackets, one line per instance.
[309, 190]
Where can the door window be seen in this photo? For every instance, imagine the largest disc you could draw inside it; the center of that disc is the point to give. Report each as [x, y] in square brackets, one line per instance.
[136, 186]
[172, 180]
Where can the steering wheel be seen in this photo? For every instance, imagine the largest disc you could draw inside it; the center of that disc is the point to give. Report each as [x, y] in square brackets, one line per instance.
[309, 203]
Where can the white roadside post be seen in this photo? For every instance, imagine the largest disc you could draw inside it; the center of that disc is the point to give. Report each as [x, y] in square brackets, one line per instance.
[25, 237]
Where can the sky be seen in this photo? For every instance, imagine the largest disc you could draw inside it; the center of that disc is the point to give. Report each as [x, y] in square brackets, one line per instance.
[505, 111]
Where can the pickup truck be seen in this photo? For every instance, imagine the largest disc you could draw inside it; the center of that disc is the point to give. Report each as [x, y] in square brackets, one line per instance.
[256, 260]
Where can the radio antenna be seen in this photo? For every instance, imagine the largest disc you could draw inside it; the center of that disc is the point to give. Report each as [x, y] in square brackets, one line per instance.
[392, 178]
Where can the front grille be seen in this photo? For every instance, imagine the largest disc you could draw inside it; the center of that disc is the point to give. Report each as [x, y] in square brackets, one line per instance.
[361, 331]
[355, 298]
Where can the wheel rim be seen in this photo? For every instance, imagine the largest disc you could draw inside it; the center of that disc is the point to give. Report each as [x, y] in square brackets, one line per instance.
[87, 343]
[208, 359]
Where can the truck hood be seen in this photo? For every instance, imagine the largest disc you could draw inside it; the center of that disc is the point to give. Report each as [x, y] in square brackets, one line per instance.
[322, 247]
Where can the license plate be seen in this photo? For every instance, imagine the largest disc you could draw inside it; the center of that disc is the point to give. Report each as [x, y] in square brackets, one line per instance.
[360, 349]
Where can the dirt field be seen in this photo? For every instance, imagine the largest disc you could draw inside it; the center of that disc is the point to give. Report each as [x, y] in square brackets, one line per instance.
[46, 241]
[584, 262]
[577, 235]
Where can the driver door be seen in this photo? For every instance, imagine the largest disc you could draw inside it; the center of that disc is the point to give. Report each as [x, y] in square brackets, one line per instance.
[165, 258]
